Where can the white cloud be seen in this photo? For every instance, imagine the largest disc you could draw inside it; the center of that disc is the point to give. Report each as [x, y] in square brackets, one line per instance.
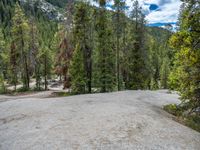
[168, 10]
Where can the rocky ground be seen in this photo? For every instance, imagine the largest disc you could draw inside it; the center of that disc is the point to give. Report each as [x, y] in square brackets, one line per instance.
[125, 120]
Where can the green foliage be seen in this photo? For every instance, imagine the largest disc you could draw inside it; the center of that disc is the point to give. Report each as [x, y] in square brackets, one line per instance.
[160, 57]
[22, 89]
[173, 109]
[59, 3]
[2, 62]
[105, 53]
[190, 120]
[2, 41]
[3, 57]
[136, 56]
[193, 122]
[119, 24]
[60, 94]
[77, 71]
[82, 37]
[185, 76]
[164, 73]
[2, 85]
[20, 30]
[39, 35]
[118, 52]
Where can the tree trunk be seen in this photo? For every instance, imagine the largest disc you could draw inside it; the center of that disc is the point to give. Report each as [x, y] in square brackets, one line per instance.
[118, 78]
[90, 80]
[27, 74]
[24, 58]
[15, 80]
[45, 72]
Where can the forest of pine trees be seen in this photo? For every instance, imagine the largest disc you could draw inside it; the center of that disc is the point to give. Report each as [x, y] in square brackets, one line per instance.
[185, 75]
[96, 50]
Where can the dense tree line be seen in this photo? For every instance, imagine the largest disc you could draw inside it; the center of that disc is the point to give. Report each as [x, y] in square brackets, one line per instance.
[185, 76]
[27, 51]
[93, 49]
[59, 3]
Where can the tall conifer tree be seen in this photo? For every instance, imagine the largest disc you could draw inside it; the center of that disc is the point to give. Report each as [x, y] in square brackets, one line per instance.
[105, 52]
[20, 30]
[136, 60]
[185, 76]
[119, 13]
[82, 27]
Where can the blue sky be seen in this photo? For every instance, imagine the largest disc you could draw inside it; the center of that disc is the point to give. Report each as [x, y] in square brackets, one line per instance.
[158, 12]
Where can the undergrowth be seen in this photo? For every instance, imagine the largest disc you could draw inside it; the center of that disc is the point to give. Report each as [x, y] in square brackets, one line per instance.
[184, 115]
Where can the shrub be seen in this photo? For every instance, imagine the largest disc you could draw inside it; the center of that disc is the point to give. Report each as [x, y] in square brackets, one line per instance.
[184, 116]
[173, 109]
[193, 122]
[23, 89]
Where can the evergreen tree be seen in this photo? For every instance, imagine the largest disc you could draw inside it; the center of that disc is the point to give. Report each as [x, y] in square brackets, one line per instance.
[46, 51]
[45, 56]
[2, 62]
[115, 48]
[20, 30]
[34, 61]
[56, 46]
[154, 61]
[82, 27]
[186, 71]
[2, 49]
[105, 53]
[77, 72]
[164, 73]
[14, 64]
[136, 60]
[119, 6]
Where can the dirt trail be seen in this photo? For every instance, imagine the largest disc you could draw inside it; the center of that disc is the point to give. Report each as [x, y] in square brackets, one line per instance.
[121, 120]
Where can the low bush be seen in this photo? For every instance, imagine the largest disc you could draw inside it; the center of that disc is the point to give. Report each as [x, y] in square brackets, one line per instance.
[23, 89]
[38, 89]
[60, 94]
[2, 90]
[183, 115]
[193, 122]
[173, 109]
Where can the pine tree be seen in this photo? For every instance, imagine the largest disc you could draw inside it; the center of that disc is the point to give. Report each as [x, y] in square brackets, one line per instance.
[14, 64]
[46, 51]
[2, 12]
[56, 46]
[2, 51]
[34, 60]
[164, 73]
[20, 30]
[77, 72]
[186, 71]
[154, 66]
[136, 57]
[119, 6]
[2, 48]
[82, 27]
[45, 56]
[116, 50]
[105, 52]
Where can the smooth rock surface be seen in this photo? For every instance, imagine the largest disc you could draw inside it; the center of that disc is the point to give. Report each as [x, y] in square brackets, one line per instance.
[127, 120]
